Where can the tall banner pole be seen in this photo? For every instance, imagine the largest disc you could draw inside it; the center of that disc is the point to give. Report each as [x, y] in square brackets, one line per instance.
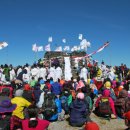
[35, 57]
[7, 55]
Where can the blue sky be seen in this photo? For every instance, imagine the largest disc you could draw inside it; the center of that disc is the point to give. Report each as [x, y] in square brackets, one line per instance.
[25, 22]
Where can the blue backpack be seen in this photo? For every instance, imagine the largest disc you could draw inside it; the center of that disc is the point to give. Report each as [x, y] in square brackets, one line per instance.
[64, 104]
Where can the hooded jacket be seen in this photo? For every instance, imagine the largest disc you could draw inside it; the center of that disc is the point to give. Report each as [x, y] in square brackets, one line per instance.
[78, 112]
[106, 93]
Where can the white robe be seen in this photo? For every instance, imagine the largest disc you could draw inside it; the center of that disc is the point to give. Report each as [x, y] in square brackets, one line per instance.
[19, 70]
[83, 73]
[58, 73]
[43, 73]
[35, 73]
[12, 75]
[26, 78]
[111, 75]
[67, 70]
[51, 73]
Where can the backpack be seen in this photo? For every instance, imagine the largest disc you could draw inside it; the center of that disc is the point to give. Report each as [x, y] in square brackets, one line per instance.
[49, 106]
[127, 104]
[104, 106]
[5, 123]
[64, 104]
[122, 105]
[7, 90]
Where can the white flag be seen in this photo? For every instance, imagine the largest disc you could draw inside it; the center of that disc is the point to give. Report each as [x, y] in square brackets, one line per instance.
[80, 36]
[50, 39]
[3, 45]
[47, 47]
[40, 48]
[75, 48]
[83, 44]
[59, 48]
[64, 40]
[82, 47]
[66, 48]
[34, 48]
[72, 49]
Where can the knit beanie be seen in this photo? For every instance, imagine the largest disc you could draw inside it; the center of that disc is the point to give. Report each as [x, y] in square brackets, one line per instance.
[80, 95]
[107, 85]
[19, 93]
[91, 126]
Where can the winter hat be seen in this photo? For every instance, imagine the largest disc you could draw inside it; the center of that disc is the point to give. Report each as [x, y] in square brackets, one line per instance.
[91, 126]
[27, 87]
[123, 93]
[127, 115]
[106, 93]
[122, 83]
[80, 95]
[107, 85]
[41, 81]
[120, 88]
[7, 106]
[19, 93]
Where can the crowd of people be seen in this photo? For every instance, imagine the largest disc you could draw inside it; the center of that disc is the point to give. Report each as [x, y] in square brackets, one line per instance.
[31, 97]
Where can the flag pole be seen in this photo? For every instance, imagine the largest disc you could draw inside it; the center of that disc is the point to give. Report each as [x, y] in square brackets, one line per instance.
[110, 55]
[7, 55]
[35, 57]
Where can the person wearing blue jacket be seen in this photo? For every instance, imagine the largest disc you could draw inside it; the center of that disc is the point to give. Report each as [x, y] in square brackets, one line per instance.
[59, 110]
[78, 111]
[37, 92]
[56, 88]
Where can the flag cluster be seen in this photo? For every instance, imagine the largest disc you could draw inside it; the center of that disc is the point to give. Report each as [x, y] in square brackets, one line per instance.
[84, 44]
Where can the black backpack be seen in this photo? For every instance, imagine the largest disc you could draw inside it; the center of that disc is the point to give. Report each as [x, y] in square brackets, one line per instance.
[122, 105]
[104, 106]
[49, 106]
[127, 104]
[5, 123]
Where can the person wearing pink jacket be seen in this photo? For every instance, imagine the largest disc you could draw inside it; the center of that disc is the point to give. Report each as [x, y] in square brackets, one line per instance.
[106, 93]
